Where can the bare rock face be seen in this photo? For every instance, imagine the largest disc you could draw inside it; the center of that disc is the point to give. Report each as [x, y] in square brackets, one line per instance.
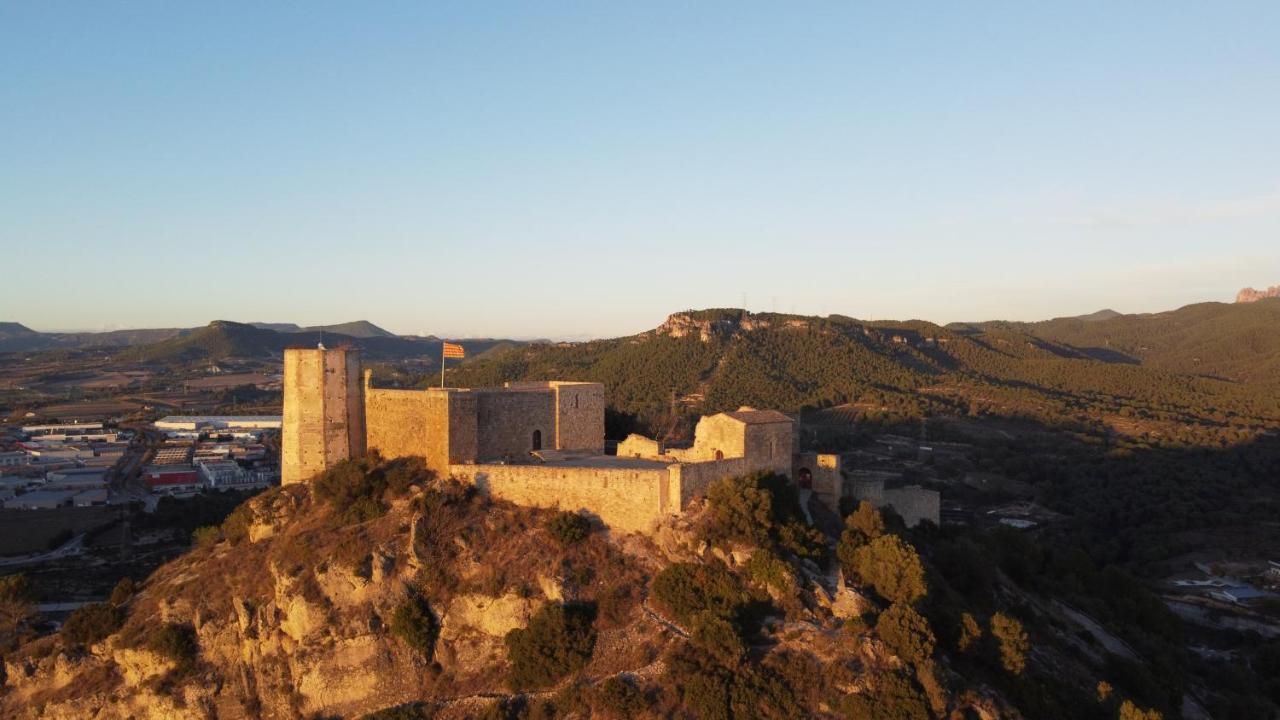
[1249, 295]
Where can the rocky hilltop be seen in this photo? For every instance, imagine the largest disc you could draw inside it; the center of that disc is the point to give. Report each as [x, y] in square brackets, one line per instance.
[1249, 295]
[380, 588]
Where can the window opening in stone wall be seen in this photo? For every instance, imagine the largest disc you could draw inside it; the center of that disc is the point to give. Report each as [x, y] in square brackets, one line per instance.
[537, 439]
[719, 455]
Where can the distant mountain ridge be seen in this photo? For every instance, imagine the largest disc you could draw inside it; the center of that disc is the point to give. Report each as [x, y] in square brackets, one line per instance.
[1238, 341]
[1206, 355]
[356, 328]
[222, 339]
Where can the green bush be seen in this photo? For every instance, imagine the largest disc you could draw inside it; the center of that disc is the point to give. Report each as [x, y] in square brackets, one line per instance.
[768, 570]
[892, 568]
[618, 699]
[16, 588]
[355, 488]
[861, 527]
[568, 528]
[206, 537]
[711, 691]
[123, 592]
[558, 641]
[762, 509]
[236, 527]
[175, 642]
[413, 622]
[906, 633]
[686, 590]
[90, 624]
[1013, 642]
[719, 638]
[894, 697]
[970, 633]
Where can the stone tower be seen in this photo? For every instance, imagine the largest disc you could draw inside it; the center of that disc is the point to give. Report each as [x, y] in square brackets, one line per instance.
[323, 411]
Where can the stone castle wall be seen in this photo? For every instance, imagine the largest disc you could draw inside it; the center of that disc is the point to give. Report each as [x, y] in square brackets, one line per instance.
[404, 423]
[690, 480]
[625, 499]
[324, 412]
[580, 416]
[914, 503]
[506, 421]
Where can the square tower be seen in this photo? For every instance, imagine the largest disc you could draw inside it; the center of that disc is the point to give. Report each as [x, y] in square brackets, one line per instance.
[324, 418]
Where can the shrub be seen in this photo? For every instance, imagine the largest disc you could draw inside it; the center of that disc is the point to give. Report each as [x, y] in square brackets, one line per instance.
[568, 528]
[90, 624]
[558, 641]
[15, 588]
[617, 698]
[860, 527]
[206, 537]
[711, 691]
[123, 592]
[175, 642]
[804, 541]
[1129, 711]
[759, 510]
[892, 567]
[413, 622]
[402, 473]
[866, 521]
[767, 569]
[895, 697]
[906, 633]
[686, 590]
[354, 488]
[970, 632]
[1013, 642]
[719, 638]
[741, 510]
[236, 527]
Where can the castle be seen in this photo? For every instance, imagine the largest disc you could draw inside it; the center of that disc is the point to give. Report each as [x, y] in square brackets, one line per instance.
[532, 443]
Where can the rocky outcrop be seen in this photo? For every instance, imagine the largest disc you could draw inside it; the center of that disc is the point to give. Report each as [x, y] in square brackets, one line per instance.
[709, 324]
[1249, 295]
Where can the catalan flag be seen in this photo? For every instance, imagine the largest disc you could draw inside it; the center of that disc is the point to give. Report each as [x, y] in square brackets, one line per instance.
[454, 351]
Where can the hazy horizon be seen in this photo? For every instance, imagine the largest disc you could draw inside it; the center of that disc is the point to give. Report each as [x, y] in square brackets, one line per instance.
[576, 336]
[528, 171]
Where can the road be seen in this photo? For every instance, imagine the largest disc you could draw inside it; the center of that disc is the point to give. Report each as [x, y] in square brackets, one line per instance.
[125, 478]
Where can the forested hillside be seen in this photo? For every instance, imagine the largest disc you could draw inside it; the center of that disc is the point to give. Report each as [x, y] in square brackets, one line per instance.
[708, 361]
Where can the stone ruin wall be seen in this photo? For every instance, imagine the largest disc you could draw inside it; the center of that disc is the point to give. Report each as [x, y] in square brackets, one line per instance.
[627, 500]
[639, 446]
[914, 503]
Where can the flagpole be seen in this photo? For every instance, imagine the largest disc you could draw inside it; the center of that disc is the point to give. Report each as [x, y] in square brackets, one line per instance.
[442, 344]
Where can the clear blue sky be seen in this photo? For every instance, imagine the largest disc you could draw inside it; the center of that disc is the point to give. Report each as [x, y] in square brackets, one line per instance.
[563, 169]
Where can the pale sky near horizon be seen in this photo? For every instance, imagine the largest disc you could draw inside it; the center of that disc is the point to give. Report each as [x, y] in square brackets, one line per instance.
[584, 169]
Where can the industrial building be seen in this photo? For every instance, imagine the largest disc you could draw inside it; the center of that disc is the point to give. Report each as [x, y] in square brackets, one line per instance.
[210, 423]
